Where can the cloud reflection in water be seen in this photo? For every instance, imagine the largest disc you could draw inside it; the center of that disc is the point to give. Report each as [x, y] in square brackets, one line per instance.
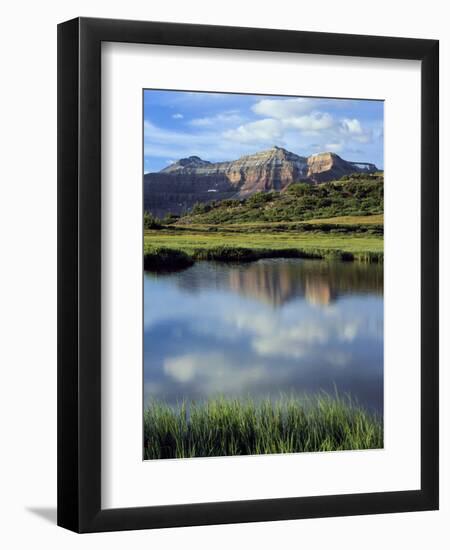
[261, 328]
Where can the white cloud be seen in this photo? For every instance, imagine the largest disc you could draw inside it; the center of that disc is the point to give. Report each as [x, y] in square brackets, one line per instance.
[291, 341]
[181, 369]
[283, 131]
[304, 114]
[334, 147]
[177, 116]
[353, 130]
[314, 121]
[221, 119]
[285, 337]
[265, 130]
[351, 125]
[349, 331]
[284, 108]
[215, 372]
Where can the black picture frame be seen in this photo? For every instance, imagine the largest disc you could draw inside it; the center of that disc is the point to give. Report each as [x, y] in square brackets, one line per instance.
[79, 274]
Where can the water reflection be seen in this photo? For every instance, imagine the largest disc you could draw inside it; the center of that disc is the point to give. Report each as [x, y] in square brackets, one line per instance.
[277, 281]
[257, 329]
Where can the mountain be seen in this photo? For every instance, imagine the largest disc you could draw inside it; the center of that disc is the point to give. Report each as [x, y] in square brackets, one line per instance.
[187, 181]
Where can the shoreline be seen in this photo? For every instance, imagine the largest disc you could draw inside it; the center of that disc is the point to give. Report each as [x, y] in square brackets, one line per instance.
[157, 259]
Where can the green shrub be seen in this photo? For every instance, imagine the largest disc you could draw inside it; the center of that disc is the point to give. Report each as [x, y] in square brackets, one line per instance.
[356, 195]
[151, 222]
[201, 208]
[170, 218]
[299, 189]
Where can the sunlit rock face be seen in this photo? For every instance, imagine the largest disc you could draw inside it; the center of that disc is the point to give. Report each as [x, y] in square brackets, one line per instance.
[328, 166]
[271, 170]
[180, 185]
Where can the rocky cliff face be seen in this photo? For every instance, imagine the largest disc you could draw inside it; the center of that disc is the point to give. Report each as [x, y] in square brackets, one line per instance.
[179, 186]
[328, 166]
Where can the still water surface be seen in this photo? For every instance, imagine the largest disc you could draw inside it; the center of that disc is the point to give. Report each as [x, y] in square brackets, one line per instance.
[258, 329]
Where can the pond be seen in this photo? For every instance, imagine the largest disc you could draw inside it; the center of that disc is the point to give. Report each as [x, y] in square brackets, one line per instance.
[259, 329]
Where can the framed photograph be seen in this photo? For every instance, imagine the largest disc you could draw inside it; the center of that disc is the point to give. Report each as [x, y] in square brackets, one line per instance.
[247, 275]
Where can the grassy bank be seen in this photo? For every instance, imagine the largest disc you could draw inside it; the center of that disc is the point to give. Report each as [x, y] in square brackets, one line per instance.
[174, 247]
[222, 427]
[166, 259]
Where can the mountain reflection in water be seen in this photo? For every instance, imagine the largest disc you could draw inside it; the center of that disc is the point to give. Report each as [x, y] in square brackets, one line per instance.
[271, 326]
[277, 281]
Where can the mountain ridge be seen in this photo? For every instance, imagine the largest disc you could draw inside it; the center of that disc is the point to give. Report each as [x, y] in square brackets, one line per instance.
[177, 187]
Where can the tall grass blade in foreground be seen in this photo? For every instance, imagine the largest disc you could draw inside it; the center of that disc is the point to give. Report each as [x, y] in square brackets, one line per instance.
[228, 427]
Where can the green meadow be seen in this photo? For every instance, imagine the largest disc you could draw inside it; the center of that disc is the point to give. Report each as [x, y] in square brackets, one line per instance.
[181, 246]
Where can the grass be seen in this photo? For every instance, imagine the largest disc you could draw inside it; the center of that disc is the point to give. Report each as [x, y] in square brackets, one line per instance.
[193, 244]
[165, 259]
[351, 221]
[344, 220]
[229, 427]
[317, 226]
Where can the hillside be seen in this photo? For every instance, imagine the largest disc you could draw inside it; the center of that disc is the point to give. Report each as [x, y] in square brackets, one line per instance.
[354, 195]
[176, 188]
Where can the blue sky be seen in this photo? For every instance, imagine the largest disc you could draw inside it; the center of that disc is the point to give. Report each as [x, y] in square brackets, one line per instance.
[220, 127]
